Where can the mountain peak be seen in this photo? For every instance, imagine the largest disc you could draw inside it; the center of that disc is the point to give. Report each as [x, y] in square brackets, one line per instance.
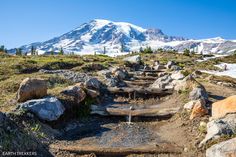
[104, 36]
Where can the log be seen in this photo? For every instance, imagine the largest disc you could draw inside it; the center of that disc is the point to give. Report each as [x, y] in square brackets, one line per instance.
[146, 78]
[146, 91]
[150, 112]
[139, 111]
[139, 83]
[162, 148]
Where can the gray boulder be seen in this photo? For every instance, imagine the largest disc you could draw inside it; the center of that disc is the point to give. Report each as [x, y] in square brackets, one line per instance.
[121, 74]
[198, 93]
[220, 127]
[162, 82]
[49, 108]
[175, 68]
[133, 59]
[93, 83]
[105, 73]
[190, 105]
[111, 82]
[223, 149]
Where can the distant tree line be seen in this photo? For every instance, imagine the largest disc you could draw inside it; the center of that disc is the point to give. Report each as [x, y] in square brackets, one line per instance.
[3, 49]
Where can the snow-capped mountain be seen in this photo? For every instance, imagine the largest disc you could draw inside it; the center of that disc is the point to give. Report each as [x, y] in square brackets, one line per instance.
[114, 38]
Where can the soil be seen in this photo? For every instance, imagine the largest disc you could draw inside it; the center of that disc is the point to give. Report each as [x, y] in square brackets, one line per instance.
[174, 136]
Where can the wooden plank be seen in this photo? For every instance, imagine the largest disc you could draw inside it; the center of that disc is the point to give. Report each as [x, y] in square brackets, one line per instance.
[163, 148]
[149, 112]
[152, 91]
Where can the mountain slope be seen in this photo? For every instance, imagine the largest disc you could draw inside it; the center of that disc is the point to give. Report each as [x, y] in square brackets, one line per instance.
[112, 38]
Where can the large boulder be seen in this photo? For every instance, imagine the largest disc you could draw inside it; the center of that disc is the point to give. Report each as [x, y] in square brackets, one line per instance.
[199, 109]
[48, 109]
[93, 83]
[219, 127]
[223, 107]
[198, 93]
[75, 91]
[31, 88]
[161, 82]
[133, 59]
[223, 149]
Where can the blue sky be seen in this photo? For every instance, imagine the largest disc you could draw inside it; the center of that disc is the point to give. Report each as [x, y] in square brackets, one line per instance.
[27, 21]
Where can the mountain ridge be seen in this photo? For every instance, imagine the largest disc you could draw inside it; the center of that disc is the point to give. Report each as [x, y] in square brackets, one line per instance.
[115, 38]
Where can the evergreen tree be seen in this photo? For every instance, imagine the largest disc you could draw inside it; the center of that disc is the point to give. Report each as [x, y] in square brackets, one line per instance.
[2, 48]
[122, 48]
[186, 52]
[52, 52]
[61, 52]
[148, 50]
[160, 50]
[32, 50]
[18, 51]
[141, 50]
[104, 50]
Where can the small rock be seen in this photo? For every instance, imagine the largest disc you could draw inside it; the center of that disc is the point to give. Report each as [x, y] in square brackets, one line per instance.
[170, 64]
[158, 67]
[190, 105]
[92, 83]
[175, 68]
[48, 109]
[177, 75]
[105, 73]
[31, 88]
[199, 109]
[198, 93]
[121, 75]
[92, 93]
[111, 82]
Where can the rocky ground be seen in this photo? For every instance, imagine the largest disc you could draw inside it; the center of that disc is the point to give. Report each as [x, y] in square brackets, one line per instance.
[81, 106]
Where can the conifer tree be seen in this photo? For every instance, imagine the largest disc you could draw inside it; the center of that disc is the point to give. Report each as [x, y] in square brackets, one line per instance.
[61, 52]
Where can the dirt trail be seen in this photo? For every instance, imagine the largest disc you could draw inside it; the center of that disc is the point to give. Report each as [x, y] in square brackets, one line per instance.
[157, 136]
